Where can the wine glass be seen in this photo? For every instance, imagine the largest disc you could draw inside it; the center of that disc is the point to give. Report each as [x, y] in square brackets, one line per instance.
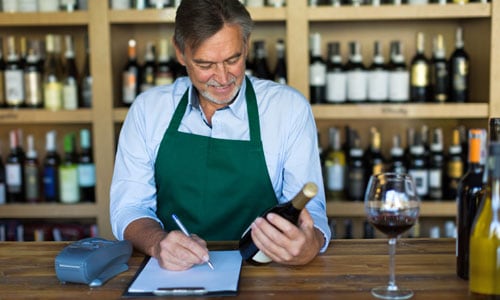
[392, 206]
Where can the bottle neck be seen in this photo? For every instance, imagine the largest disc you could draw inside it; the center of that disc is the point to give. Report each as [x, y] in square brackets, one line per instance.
[307, 193]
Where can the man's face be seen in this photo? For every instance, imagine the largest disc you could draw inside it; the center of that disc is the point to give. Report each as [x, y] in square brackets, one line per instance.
[217, 67]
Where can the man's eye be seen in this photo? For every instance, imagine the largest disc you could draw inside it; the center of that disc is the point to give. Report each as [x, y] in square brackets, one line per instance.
[205, 66]
[232, 61]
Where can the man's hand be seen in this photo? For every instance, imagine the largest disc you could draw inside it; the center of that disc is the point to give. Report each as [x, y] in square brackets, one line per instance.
[286, 243]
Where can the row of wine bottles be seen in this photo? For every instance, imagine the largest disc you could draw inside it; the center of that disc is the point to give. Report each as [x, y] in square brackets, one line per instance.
[39, 231]
[25, 177]
[426, 80]
[24, 6]
[394, 2]
[436, 171]
[41, 76]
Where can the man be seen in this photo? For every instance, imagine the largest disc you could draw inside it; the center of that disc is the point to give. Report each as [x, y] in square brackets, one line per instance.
[217, 149]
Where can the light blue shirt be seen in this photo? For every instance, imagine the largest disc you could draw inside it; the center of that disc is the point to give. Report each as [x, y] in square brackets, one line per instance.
[288, 132]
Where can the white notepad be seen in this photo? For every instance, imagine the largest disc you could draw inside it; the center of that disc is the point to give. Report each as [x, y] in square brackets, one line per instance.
[222, 280]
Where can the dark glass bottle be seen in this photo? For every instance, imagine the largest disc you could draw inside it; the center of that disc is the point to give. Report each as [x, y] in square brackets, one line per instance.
[419, 76]
[454, 166]
[86, 80]
[14, 83]
[436, 165]
[375, 161]
[397, 162]
[470, 184]
[131, 75]
[86, 168]
[418, 168]
[280, 70]
[459, 70]
[165, 66]
[439, 71]
[14, 169]
[336, 80]
[2, 76]
[51, 163]
[289, 210]
[3, 195]
[148, 69]
[260, 64]
[357, 75]
[356, 171]
[317, 71]
[71, 78]
[33, 79]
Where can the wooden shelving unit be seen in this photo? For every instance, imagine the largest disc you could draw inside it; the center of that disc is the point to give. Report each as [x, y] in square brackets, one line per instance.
[107, 30]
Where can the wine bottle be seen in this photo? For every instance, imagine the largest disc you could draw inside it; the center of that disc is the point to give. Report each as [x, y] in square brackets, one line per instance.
[336, 79]
[454, 166]
[348, 230]
[51, 164]
[485, 236]
[317, 71]
[86, 80]
[459, 70]
[419, 82]
[120, 4]
[33, 81]
[14, 83]
[289, 210]
[356, 171]
[436, 165]
[439, 71]
[470, 184]
[130, 75]
[397, 162]
[53, 76]
[68, 172]
[165, 68]
[2, 76]
[280, 70]
[418, 167]
[357, 81]
[373, 155]
[399, 76]
[378, 76]
[14, 169]
[260, 64]
[494, 129]
[148, 69]
[335, 164]
[70, 77]
[31, 172]
[86, 168]
[3, 195]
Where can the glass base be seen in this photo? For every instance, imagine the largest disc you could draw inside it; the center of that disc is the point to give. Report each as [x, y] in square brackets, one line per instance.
[388, 292]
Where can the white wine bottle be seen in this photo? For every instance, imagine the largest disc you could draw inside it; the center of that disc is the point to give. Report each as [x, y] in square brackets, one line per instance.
[484, 259]
[289, 210]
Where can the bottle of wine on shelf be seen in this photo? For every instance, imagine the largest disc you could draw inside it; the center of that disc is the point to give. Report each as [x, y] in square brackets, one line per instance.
[3, 195]
[484, 260]
[459, 70]
[148, 70]
[436, 165]
[399, 76]
[336, 80]
[280, 70]
[378, 76]
[86, 168]
[86, 80]
[165, 68]
[397, 162]
[357, 79]
[53, 76]
[33, 81]
[32, 172]
[439, 71]
[68, 172]
[356, 171]
[419, 83]
[418, 167]
[51, 164]
[373, 155]
[260, 64]
[317, 71]
[454, 166]
[2, 75]
[335, 164]
[14, 83]
[70, 79]
[289, 210]
[14, 169]
[469, 185]
[130, 75]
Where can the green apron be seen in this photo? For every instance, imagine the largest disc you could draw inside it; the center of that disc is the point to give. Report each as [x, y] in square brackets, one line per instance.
[217, 187]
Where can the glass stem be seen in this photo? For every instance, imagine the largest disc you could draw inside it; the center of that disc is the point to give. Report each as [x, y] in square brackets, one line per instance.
[392, 265]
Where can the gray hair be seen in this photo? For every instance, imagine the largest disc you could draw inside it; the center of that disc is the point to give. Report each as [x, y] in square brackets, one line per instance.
[198, 20]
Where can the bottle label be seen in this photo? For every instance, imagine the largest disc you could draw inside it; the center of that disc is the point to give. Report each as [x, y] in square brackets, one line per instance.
[129, 87]
[86, 175]
[420, 74]
[335, 179]
[460, 75]
[357, 89]
[70, 96]
[14, 90]
[50, 182]
[33, 85]
[3, 199]
[52, 93]
[32, 184]
[13, 175]
[70, 192]
[317, 74]
[435, 176]
[399, 86]
[356, 186]
[336, 87]
[378, 85]
[421, 178]
[455, 169]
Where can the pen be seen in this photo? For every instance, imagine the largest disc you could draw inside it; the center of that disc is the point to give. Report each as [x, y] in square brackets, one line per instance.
[186, 232]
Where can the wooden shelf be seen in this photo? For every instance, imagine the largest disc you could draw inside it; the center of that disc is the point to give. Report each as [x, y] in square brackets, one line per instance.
[349, 209]
[49, 210]
[402, 12]
[75, 18]
[41, 116]
[401, 111]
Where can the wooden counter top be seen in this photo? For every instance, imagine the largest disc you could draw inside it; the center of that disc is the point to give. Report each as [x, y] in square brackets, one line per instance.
[348, 270]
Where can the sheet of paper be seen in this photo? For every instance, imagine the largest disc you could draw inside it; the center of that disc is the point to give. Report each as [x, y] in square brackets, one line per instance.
[224, 278]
